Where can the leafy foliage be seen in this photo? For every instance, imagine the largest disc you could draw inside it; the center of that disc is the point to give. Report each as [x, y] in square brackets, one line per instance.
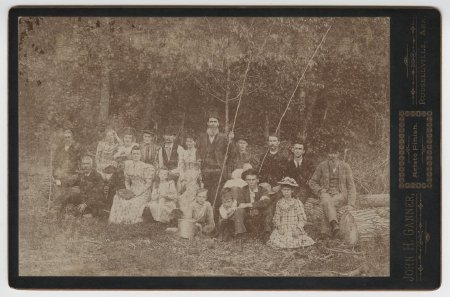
[89, 73]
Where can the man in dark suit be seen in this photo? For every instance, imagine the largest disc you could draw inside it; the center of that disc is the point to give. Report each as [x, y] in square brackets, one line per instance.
[88, 197]
[274, 162]
[149, 149]
[333, 184]
[66, 158]
[212, 147]
[300, 169]
[253, 206]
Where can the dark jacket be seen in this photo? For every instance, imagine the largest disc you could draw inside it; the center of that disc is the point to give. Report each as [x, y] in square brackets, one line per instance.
[220, 146]
[237, 160]
[244, 197]
[116, 182]
[321, 180]
[301, 174]
[91, 187]
[65, 163]
[274, 167]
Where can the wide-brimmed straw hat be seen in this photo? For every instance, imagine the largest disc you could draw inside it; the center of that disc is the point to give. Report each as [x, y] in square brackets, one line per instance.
[288, 181]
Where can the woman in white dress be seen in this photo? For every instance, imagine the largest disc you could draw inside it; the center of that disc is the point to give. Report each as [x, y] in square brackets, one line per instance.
[164, 197]
[138, 179]
[124, 149]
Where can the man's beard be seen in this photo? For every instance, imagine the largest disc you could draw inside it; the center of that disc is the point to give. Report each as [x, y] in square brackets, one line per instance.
[212, 130]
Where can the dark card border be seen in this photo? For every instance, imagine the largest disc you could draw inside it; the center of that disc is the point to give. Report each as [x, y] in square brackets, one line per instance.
[430, 198]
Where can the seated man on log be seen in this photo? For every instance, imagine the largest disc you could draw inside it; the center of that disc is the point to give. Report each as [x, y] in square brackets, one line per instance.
[333, 184]
[253, 205]
[87, 193]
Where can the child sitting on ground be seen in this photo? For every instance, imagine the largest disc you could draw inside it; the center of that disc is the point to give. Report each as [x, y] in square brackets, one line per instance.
[289, 219]
[164, 197]
[201, 212]
[226, 211]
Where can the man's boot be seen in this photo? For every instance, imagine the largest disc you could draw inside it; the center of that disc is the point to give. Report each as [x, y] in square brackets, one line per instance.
[334, 228]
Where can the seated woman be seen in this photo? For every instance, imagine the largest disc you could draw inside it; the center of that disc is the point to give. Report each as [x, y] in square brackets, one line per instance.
[289, 219]
[164, 197]
[202, 213]
[138, 180]
[106, 149]
[124, 149]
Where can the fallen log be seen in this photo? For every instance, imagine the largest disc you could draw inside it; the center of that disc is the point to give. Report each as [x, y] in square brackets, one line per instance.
[356, 225]
[362, 225]
[377, 200]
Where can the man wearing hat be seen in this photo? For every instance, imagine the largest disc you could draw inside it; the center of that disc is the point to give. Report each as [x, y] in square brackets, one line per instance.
[333, 184]
[240, 155]
[212, 147]
[149, 148]
[168, 154]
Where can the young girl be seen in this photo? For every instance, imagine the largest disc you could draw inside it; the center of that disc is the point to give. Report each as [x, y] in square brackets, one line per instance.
[164, 197]
[106, 150]
[189, 184]
[289, 219]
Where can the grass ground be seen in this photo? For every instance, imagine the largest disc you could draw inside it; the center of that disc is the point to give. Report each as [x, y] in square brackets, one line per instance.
[89, 247]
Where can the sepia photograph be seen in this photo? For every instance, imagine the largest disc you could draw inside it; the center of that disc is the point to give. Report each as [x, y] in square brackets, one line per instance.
[204, 146]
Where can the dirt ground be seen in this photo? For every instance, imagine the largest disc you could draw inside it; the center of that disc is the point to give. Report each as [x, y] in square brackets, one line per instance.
[91, 247]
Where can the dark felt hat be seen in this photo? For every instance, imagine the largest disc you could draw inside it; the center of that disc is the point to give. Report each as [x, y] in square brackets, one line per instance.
[214, 114]
[148, 131]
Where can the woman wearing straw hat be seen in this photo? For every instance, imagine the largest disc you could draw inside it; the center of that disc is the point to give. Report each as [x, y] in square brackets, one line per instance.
[289, 219]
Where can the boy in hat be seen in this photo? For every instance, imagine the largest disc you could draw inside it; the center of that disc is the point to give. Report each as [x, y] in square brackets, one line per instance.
[241, 156]
[333, 184]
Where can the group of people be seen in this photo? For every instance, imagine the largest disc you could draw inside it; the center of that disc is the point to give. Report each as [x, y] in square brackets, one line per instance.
[212, 180]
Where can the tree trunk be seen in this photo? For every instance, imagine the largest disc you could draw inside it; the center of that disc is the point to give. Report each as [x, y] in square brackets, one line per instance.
[105, 74]
[266, 125]
[227, 105]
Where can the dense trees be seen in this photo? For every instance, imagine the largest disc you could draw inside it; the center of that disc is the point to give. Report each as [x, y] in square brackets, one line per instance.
[92, 72]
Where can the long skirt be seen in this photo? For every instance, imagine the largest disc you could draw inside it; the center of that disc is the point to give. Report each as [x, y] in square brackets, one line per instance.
[128, 211]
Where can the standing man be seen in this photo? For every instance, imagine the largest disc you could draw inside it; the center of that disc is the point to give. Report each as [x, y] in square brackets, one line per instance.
[168, 154]
[241, 155]
[333, 184]
[89, 197]
[300, 169]
[212, 147]
[149, 148]
[274, 167]
[66, 158]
